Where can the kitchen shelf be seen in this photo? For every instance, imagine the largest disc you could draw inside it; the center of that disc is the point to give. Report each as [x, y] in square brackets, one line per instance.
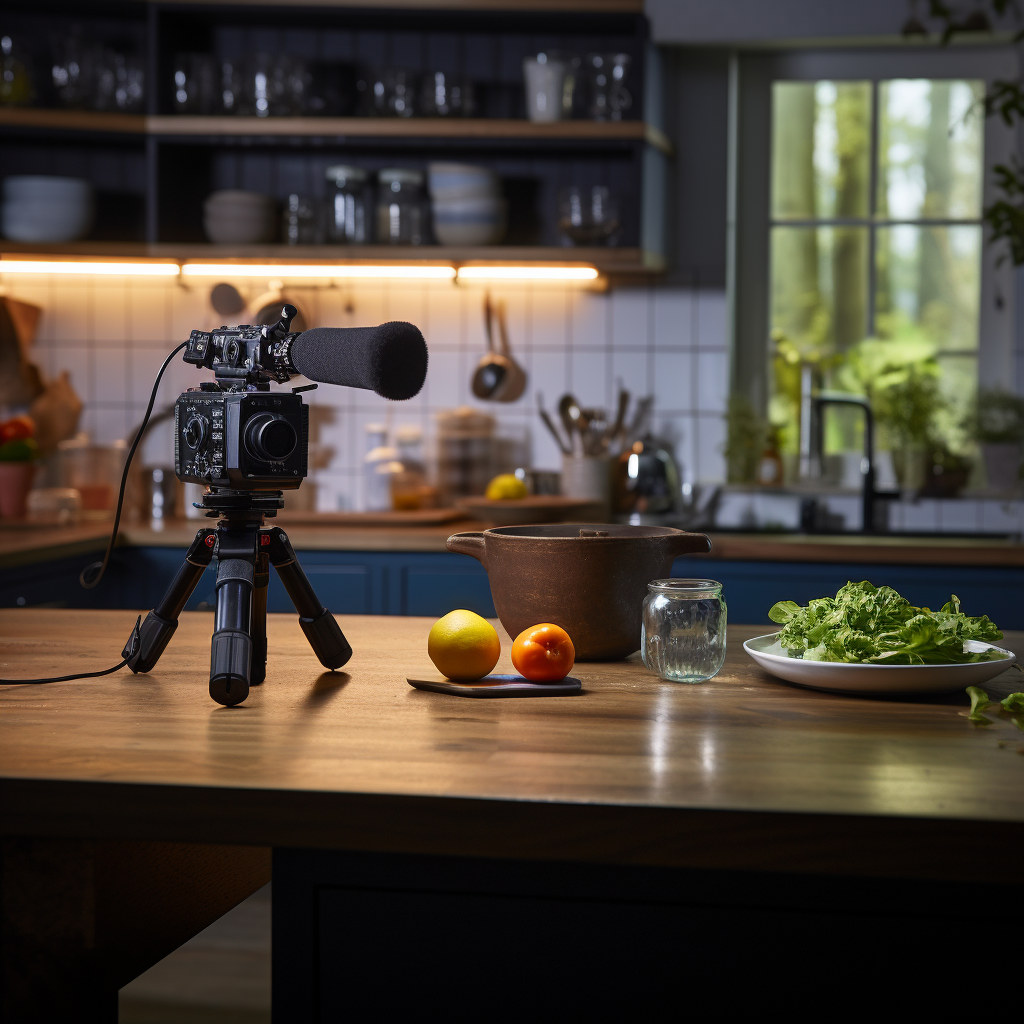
[171, 125]
[610, 262]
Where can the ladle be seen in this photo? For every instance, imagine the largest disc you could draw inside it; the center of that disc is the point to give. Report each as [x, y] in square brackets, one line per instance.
[493, 368]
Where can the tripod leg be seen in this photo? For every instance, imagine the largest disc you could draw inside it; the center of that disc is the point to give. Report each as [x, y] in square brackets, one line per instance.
[322, 631]
[231, 647]
[259, 620]
[162, 621]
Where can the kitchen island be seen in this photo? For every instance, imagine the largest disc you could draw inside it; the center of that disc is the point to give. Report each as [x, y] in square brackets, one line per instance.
[136, 811]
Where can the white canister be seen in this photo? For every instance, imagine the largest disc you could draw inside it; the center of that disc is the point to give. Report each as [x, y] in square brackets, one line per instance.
[545, 88]
[585, 476]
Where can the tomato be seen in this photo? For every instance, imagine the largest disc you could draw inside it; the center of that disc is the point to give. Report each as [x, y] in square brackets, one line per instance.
[543, 653]
[18, 429]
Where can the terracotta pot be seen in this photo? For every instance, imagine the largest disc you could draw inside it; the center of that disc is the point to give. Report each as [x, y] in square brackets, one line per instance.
[590, 579]
[15, 483]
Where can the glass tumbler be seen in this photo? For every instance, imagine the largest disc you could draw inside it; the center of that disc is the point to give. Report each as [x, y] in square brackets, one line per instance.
[683, 634]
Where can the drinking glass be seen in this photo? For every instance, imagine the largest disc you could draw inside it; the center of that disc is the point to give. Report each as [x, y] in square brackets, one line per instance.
[683, 633]
[609, 97]
[588, 216]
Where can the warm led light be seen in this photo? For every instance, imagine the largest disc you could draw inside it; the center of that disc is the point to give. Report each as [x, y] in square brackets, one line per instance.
[337, 272]
[527, 273]
[82, 267]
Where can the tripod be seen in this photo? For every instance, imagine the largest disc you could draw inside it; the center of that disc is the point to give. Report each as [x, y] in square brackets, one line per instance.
[245, 549]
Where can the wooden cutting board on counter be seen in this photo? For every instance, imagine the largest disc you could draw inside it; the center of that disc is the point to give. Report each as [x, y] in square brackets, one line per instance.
[416, 517]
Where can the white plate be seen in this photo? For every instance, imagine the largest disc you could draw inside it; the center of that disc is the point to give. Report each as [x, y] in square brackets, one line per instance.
[856, 677]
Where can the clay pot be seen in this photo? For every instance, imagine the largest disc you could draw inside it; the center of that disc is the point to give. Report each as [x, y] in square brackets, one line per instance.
[15, 483]
[590, 579]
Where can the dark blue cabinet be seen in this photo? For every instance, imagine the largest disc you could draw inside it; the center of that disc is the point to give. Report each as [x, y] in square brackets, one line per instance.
[433, 583]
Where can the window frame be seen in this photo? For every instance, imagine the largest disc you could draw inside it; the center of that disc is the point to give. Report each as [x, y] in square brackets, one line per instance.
[749, 219]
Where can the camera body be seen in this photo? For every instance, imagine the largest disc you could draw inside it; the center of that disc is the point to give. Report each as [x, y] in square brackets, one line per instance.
[243, 440]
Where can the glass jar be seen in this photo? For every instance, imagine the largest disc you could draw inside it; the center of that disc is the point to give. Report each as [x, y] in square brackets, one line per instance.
[683, 632]
[346, 205]
[401, 207]
[300, 224]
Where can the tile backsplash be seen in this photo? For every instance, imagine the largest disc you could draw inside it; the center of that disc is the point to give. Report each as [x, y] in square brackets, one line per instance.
[111, 334]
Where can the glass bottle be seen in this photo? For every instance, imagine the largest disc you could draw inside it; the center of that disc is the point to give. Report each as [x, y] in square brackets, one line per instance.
[401, 207]
[346, 205]
[379, 465]
[683, 629]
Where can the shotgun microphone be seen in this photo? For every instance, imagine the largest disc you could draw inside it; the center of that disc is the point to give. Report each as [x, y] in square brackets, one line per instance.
[390, 359]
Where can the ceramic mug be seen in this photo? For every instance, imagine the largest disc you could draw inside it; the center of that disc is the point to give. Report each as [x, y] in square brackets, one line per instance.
[545, 88]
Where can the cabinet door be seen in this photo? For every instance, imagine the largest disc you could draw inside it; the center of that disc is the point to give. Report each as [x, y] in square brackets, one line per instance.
[346, 589]
[436, 588]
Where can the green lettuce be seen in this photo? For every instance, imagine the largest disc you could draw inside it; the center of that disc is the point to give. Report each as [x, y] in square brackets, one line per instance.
[864, 623]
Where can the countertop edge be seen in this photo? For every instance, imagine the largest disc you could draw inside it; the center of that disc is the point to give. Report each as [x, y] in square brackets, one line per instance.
[600, 833]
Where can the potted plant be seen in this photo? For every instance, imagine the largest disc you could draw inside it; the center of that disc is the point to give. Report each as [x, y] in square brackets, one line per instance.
[18, 452]
[996, 423]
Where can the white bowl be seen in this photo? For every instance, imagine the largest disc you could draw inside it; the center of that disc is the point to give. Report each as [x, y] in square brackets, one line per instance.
[32, 221]
[235, 199]
[462, 181]
[47, 187]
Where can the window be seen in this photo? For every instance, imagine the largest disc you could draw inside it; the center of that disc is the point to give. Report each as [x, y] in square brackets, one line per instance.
[862, 246]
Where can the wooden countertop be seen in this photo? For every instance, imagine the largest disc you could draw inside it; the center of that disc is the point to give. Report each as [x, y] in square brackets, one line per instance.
[23, 544]
[742, 772]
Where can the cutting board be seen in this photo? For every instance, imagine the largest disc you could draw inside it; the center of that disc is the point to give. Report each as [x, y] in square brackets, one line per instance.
[500, 686]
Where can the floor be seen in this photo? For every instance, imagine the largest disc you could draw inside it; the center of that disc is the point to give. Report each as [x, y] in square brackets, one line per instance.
[222, 976]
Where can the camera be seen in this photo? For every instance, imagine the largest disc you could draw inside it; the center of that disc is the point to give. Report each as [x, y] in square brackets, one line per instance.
[250, 441]
[233, 432]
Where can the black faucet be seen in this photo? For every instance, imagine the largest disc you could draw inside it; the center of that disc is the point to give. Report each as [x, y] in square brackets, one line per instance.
[869, 493]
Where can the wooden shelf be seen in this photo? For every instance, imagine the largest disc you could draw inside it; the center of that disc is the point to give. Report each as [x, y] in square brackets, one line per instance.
[614, 262]
[336, 127]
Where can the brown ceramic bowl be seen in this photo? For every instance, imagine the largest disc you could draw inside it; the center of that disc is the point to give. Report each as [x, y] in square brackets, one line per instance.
[588, 578]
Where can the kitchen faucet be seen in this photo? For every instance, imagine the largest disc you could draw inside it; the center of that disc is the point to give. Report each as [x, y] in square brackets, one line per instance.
[811, 444]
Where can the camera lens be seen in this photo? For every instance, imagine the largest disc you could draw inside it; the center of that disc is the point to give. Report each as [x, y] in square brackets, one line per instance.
[270, 438]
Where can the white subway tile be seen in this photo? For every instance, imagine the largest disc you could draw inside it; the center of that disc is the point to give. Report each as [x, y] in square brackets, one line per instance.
[712, 381]
[630, 310]
[151, 310]
[547, 375]
[78, 361]
[447, 378]
[673, 317]
[711, 318]
[589, 379]
[549, 318]
[634, 368]
[709, 441]
[673, 381]
[109, 425]
[442, 327]
[110, 374]
[589, 319]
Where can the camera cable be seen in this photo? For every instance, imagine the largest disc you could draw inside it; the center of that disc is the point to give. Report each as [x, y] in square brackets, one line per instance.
[93, 573]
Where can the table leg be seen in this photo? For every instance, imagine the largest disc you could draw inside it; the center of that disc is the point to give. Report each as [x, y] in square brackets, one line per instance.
[81, 918]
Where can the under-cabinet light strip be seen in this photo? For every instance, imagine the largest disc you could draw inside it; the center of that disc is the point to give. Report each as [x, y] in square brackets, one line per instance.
[435, 272]
[325, 271]
[83, 267]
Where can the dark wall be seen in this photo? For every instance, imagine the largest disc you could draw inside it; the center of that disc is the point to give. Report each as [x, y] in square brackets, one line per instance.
[697, 120]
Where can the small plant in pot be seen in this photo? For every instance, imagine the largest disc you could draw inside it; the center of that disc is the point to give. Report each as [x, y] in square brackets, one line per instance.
[996, 423]
[18, 452]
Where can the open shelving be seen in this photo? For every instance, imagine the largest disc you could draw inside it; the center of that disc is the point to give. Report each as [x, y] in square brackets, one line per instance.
[153, 169]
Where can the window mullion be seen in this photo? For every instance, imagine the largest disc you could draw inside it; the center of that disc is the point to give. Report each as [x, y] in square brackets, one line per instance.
[872, 209]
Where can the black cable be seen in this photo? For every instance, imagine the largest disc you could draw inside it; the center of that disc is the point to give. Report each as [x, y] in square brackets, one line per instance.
[132, 646]
[93, 573]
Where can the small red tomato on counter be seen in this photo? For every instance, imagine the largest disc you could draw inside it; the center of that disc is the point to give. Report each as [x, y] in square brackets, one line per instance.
[20, 428]
[543, 653]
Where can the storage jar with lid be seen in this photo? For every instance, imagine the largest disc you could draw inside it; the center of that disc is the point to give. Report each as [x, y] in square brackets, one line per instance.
[347, 204]
[401, 207]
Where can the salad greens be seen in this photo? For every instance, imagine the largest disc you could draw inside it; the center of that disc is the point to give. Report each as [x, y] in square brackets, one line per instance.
[874, 624]
[980, 702]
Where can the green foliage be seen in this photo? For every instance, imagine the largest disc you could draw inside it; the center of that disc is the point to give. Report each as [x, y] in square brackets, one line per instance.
[864, 623]
[745, 438]
[979, 703]
[22, 450]
[996, 417]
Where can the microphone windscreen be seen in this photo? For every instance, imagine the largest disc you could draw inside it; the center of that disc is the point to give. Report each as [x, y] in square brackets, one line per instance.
[390, 359]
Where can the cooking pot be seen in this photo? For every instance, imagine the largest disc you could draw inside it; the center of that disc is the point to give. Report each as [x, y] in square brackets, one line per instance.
[590, 579]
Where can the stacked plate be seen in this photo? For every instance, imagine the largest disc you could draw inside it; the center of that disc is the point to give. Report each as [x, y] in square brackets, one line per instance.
[467, 204]
[39, 208]
[234, 217]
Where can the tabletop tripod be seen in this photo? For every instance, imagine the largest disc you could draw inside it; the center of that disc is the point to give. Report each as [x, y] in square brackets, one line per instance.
[245, 549]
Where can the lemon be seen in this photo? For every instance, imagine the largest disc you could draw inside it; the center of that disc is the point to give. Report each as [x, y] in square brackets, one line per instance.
[463, 645]
[506, 486]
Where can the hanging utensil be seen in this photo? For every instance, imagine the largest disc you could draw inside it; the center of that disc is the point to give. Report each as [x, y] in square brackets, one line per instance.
[515, 378]
[620, 416]
[492, 371]
[550, 424]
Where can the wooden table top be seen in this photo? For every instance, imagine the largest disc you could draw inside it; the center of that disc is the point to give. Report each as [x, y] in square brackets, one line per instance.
[743, 771]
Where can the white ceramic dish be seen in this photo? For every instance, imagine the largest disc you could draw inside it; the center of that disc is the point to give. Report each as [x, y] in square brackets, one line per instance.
[47, 187]
[448, 181]
[470, 221]
[854, 677]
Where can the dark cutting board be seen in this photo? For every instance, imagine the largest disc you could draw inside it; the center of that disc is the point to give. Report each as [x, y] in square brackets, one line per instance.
[501, 686]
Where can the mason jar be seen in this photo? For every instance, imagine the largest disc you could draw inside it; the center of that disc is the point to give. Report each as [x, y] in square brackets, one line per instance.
[401, 207]
[683, 632]
[347, 205]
